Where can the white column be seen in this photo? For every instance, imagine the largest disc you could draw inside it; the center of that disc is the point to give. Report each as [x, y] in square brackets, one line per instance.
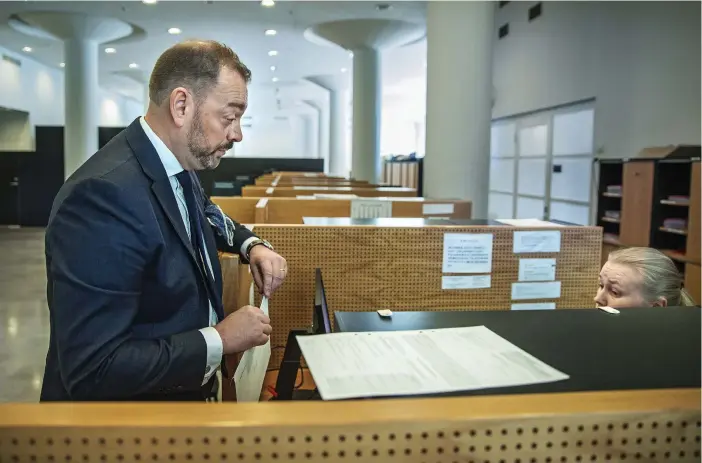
[365, 160]
[338, 101]
[146, 96]
[81, 102]
[459, 95]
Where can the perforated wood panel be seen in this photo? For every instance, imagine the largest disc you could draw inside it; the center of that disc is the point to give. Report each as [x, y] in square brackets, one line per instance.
[367, 268]
[673, 437]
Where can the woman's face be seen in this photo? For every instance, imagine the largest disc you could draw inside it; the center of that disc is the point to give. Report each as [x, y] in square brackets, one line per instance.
[620, 286]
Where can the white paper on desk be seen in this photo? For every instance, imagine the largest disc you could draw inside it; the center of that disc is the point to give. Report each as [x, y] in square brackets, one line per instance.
[465, 282]
[394, 363]
[537, 241]
[269, 190]
[537, 269]
[251, 371]
[467, 253]
[542, 290]
[437, 209]
[362, 208]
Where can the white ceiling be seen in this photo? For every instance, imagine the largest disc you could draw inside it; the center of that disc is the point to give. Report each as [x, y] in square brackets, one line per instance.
[239, 24]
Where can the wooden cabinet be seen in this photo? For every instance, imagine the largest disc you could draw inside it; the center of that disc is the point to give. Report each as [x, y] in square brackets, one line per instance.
[692, 281]
[637, 183]
[693, 222]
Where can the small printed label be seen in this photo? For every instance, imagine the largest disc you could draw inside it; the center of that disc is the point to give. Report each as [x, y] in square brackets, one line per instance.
[465, 282]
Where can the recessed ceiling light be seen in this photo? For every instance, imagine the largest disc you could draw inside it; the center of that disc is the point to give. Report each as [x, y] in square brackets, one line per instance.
[350, 54]
[149, 2]
[63, 65]
[174, 31]
[273, 53]
[271, 32]
[275, 79]
[343, 69]
[133, 65]
[27, 49]
[267, 3]
[110, 50]
[272, 68]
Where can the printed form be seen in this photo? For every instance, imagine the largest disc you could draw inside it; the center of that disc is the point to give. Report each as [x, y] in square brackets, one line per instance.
[396, 363]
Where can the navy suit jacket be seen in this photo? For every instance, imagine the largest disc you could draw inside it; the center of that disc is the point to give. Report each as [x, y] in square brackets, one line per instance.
[126, 297]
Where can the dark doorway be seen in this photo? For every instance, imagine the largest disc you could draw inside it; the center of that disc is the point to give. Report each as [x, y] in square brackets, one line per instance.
[9, 189]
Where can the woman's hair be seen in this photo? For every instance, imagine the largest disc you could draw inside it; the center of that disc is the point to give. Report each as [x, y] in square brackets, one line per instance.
[660, 276]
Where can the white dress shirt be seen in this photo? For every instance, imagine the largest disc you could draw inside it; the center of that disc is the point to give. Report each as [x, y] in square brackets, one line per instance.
[173, 167]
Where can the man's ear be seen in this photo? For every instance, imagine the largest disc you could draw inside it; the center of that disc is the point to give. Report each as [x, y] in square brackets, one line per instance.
[660, 302]
[178, 102]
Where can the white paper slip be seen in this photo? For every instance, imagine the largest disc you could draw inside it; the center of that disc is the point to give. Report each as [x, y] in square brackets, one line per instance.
[537, 241]
[370, 208]
[528, 223]
[437, 209]
[544, 290]
[535, 306]
[269, 191]
[398, 363]
[467, 253]
[537, 269]
[465, 282]
[251, 371]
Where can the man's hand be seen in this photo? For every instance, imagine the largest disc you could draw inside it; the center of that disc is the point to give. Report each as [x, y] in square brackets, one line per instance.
[268, 269]
[246, 328]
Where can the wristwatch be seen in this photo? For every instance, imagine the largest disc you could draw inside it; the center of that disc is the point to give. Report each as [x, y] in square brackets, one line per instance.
[256, 242]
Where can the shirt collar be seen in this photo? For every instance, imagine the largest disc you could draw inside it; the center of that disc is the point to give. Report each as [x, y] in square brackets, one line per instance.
[168, 159]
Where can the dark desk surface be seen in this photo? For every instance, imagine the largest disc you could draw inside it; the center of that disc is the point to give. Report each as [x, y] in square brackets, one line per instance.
[398, 222]
[646, 348]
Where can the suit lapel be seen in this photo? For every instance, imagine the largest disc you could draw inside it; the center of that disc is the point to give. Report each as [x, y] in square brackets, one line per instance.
[148, 158]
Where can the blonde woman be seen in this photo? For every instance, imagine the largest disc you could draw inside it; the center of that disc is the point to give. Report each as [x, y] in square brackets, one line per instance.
[640, 277]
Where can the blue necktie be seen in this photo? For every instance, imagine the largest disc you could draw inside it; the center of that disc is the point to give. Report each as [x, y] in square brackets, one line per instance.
[196, 234]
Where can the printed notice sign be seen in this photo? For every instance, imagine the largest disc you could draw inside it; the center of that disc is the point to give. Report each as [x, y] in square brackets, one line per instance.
[370, 208]
[535, 306]
[428, 209]
[467, 253]
[537, 269]
[537, 241]
[545, 290]
[465, 282]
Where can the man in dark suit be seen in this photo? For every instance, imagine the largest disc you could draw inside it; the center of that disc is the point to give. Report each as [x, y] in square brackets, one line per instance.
[134, 283]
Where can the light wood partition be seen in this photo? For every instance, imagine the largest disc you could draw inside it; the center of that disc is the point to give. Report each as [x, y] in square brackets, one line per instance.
[400, 268]
[292, 192]
[292, 210]
[243, 210]
[660, 425]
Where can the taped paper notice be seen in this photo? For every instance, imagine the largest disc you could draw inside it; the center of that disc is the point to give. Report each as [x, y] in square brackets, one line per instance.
[467, 253]
[545, 290]
[537, 241]
[465, 282]
[437, 209]
[370, 209]
[535, 306]
[269, 191]
[537, 269]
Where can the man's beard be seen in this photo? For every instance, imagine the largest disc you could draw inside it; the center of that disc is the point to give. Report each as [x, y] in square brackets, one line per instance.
[200, 149]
